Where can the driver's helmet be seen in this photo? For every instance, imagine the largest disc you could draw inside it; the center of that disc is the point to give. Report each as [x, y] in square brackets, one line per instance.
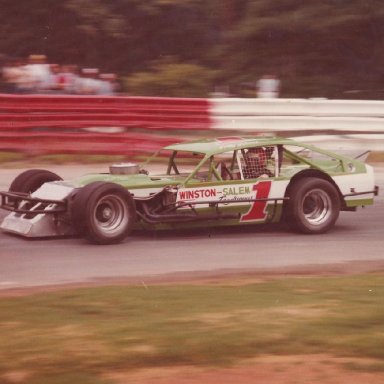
[257, 153]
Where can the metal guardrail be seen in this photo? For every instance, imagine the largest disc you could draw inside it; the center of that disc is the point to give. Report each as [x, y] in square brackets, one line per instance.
[281, 115]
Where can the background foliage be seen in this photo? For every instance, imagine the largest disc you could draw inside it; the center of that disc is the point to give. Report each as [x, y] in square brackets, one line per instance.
[329, 48]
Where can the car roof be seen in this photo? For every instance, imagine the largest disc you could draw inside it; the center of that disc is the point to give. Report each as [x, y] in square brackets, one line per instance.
[211, 146]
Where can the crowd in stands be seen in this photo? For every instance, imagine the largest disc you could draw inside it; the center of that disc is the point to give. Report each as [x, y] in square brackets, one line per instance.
[36, 75]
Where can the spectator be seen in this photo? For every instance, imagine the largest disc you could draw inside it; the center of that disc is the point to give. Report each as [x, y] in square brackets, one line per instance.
[3, 84]
[268, 87]
[39, 72]
[90, 83]
[108, 84]
[53, 83]
[37, 76]
[10, 74]
[16, 77]
[68, 79]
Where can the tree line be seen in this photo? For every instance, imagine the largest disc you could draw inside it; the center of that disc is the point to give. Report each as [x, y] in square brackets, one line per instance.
[328, 48]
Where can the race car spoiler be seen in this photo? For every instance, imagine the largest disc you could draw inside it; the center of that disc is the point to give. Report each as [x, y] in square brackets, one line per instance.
[23, 203]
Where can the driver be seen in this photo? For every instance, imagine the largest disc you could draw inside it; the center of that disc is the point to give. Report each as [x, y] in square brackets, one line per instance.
[256, 161]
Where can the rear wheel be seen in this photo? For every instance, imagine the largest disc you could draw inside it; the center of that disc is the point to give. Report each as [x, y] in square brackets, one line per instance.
[314, 206]
[103, 212]
[31, 180]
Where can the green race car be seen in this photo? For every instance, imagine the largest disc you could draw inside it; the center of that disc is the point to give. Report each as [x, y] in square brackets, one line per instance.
[210, 182]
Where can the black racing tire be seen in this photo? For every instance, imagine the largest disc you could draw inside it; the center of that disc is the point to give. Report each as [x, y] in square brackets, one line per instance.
[31, 180]
[313, 206]
[104, 213]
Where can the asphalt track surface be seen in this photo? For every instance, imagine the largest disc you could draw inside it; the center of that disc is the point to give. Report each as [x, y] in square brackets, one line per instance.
[357, 239]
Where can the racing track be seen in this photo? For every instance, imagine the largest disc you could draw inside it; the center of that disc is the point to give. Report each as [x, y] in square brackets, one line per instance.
[357, 239]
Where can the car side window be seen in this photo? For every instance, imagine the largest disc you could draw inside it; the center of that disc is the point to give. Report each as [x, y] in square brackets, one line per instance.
[227, 166]
[258, 162]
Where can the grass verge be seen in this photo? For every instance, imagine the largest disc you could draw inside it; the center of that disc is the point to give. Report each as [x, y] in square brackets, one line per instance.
[78, 335]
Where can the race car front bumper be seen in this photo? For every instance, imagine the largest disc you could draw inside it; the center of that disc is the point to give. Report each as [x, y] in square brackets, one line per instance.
[35, 217]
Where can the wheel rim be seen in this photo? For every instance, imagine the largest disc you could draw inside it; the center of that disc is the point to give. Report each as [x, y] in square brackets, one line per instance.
[111, 215]
[317, 206]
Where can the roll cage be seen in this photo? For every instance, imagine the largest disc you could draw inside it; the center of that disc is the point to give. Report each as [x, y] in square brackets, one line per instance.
[236, 161]
[280, 159]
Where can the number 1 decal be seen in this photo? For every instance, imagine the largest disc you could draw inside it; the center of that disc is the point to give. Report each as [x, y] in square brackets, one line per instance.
[257, 211]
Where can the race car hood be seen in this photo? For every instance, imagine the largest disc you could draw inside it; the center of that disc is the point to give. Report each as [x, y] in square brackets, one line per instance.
[138, 184]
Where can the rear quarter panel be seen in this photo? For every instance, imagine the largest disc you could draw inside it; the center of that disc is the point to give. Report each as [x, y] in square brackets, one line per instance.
[357, 188]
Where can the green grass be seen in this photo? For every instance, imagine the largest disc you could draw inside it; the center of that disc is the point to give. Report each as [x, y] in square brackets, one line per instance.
[77, 335]
[6, 157]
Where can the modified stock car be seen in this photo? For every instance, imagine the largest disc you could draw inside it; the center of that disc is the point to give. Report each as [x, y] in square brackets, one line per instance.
[210, 182]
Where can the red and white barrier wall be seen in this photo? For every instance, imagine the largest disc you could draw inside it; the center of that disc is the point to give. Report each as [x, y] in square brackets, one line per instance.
[284, 115]
[92, 124]
[130, 125]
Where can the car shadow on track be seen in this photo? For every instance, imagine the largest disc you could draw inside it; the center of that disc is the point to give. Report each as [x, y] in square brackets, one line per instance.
[279, 228]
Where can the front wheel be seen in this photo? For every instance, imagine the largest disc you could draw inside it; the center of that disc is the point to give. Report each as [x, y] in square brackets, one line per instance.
[103, 212]
[314, 206]
[31, 180]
